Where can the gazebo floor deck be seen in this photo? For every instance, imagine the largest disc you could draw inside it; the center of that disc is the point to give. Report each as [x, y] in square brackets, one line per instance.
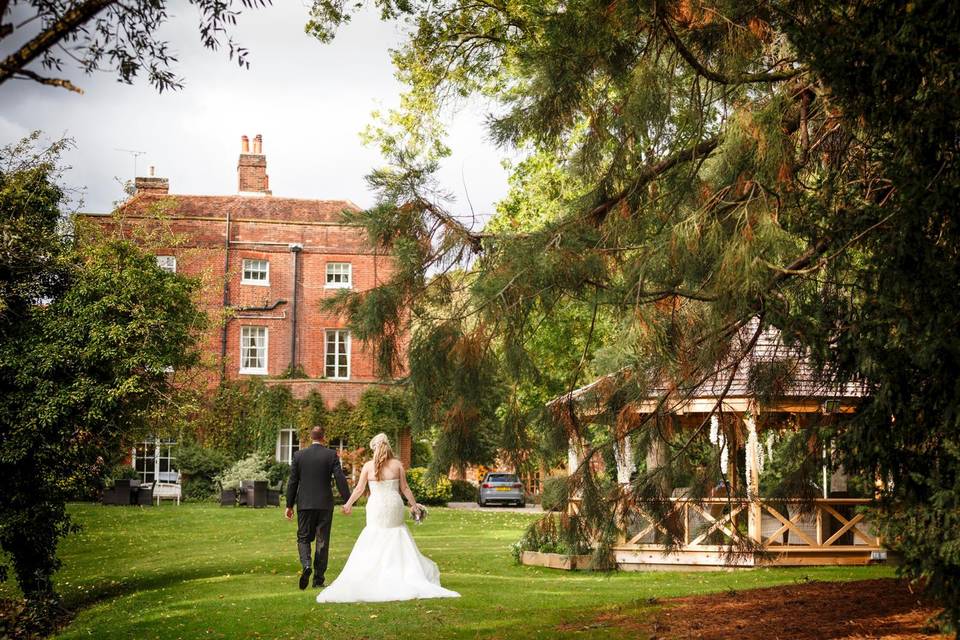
[648, 557]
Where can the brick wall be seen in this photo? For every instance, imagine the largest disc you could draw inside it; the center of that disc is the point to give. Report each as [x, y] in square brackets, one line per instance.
[211, 236]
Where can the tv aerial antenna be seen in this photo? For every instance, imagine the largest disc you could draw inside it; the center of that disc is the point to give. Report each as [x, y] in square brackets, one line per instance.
[136, 154]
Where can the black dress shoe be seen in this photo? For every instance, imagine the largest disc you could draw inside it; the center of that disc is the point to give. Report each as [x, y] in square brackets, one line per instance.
[319, 584]
[305, 578]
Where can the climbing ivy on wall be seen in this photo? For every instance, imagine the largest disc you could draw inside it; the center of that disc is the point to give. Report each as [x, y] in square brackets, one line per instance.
[244, 417]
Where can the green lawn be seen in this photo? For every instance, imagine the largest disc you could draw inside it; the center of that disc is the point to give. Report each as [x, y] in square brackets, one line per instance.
[199, 571]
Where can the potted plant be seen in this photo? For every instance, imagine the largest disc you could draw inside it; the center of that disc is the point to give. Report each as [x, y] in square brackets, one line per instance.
[248, 479]
[122, 487]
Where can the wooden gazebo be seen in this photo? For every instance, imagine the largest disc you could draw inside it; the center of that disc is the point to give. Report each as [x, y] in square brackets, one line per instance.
[740, 528]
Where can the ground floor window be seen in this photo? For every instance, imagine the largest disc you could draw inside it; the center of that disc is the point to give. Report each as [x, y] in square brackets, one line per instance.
[155, 460]
[288, 443]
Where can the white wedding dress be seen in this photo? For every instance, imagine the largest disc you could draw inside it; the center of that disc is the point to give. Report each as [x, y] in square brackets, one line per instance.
[385, 563]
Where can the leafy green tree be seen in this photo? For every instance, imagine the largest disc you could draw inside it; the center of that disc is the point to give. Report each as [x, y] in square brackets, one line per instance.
[87, 341]
[789, 161]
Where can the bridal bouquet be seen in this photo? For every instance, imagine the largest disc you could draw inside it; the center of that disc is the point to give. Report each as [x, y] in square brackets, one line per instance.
[420, 514]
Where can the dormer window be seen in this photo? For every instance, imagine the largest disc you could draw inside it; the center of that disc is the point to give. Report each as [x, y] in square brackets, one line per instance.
[339, 275]
[256, 272]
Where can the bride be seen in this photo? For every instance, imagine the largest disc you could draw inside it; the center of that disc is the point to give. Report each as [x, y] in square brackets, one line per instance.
[385, 563]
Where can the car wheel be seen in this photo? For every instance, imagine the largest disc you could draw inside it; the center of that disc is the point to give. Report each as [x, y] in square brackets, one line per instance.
[522, 505]
[481, 502]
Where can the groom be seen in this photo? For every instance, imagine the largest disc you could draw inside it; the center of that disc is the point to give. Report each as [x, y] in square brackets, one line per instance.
[309, 485]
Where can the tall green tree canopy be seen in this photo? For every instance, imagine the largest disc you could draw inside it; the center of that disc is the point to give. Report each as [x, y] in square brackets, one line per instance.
[87, 336]
[787, 160]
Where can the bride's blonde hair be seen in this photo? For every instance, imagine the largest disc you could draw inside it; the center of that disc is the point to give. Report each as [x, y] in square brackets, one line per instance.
[380, 446]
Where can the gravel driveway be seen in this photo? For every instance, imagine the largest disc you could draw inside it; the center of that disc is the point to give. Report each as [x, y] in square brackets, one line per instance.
[473, 506]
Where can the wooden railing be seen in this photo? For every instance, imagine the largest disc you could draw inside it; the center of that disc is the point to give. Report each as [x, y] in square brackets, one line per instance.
[778, 527]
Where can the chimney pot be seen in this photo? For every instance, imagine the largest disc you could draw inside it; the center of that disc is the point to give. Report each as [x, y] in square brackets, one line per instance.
[244, 144]
[151, 171]
[252, 169]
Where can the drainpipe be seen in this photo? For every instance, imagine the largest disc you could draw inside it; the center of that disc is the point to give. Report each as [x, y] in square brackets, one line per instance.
[226, 301]
[295, 249]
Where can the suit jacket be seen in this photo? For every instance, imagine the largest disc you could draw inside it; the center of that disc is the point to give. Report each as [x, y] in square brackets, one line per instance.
[310, 474]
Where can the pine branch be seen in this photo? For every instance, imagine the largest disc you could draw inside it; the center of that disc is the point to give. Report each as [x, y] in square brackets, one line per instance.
[710, 74]
[25, 74]
[599, 213]
[46, 39]
[475, 240]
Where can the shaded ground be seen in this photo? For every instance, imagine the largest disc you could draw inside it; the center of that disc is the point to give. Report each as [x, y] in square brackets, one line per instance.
[860, 610]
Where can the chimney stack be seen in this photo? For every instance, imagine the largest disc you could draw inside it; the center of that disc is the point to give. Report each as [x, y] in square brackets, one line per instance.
[151, 185]
[252, 167]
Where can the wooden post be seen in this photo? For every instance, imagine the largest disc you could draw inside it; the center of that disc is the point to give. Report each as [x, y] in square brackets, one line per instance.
[657, 456]
[755, 513]
[623, 452]
[573, 456]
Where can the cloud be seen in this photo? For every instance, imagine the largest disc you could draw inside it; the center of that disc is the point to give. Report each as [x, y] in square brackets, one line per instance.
[309, 100]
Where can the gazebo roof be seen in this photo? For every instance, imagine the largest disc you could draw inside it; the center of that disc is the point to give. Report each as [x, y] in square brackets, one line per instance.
[804, 384]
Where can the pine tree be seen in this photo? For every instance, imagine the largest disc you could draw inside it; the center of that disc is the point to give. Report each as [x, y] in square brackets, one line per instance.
[792, 162]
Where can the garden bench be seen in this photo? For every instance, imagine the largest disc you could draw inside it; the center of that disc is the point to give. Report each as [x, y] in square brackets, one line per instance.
[167, 486]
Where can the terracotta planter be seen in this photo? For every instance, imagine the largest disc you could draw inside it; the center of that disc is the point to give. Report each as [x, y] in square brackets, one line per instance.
[555, 560]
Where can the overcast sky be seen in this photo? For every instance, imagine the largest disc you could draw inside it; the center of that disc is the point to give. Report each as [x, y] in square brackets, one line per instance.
[309, 100]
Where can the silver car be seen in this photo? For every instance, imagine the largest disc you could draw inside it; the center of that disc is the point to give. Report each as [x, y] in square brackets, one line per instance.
[501, 488]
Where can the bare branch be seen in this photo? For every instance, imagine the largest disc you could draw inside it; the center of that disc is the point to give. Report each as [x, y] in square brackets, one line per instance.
[25, 74]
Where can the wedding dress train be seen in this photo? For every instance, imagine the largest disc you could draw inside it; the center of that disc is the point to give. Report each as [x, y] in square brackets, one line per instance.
[385, 563]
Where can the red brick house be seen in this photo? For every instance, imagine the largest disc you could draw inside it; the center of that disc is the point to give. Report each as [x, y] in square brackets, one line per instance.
[267, 263]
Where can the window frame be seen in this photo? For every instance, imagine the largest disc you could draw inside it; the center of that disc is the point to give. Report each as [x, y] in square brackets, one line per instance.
[153, 450]
[347, 284]
[257, 371]
[255, 282]
[326, 353]
[293, 445]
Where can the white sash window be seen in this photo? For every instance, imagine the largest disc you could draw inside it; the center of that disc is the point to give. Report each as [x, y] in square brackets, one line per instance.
[253, 350]
[339, 275]
[337, 354]
[256, 272]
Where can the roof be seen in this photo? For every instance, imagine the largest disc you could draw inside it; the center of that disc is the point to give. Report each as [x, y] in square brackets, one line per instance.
[243, 207]
[801, 379]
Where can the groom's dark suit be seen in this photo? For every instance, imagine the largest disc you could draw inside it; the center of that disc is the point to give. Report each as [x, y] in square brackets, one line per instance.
[309, 486]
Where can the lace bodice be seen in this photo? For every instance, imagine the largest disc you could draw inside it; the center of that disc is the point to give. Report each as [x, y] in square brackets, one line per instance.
[384, 486]
[385, 506]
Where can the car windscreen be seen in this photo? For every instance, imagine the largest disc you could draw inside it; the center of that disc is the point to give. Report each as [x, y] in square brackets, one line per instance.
[501, 477]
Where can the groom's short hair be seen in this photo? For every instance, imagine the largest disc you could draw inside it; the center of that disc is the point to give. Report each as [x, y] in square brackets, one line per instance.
[316, 434]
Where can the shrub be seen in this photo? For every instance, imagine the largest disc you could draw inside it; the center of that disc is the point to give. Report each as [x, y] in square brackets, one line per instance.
[464, 491]
[438, 493]
[199, 467]
[422, 454]
[122, 472]
[554, 496]
[277, 473]
[552, 534]
[253, 467]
